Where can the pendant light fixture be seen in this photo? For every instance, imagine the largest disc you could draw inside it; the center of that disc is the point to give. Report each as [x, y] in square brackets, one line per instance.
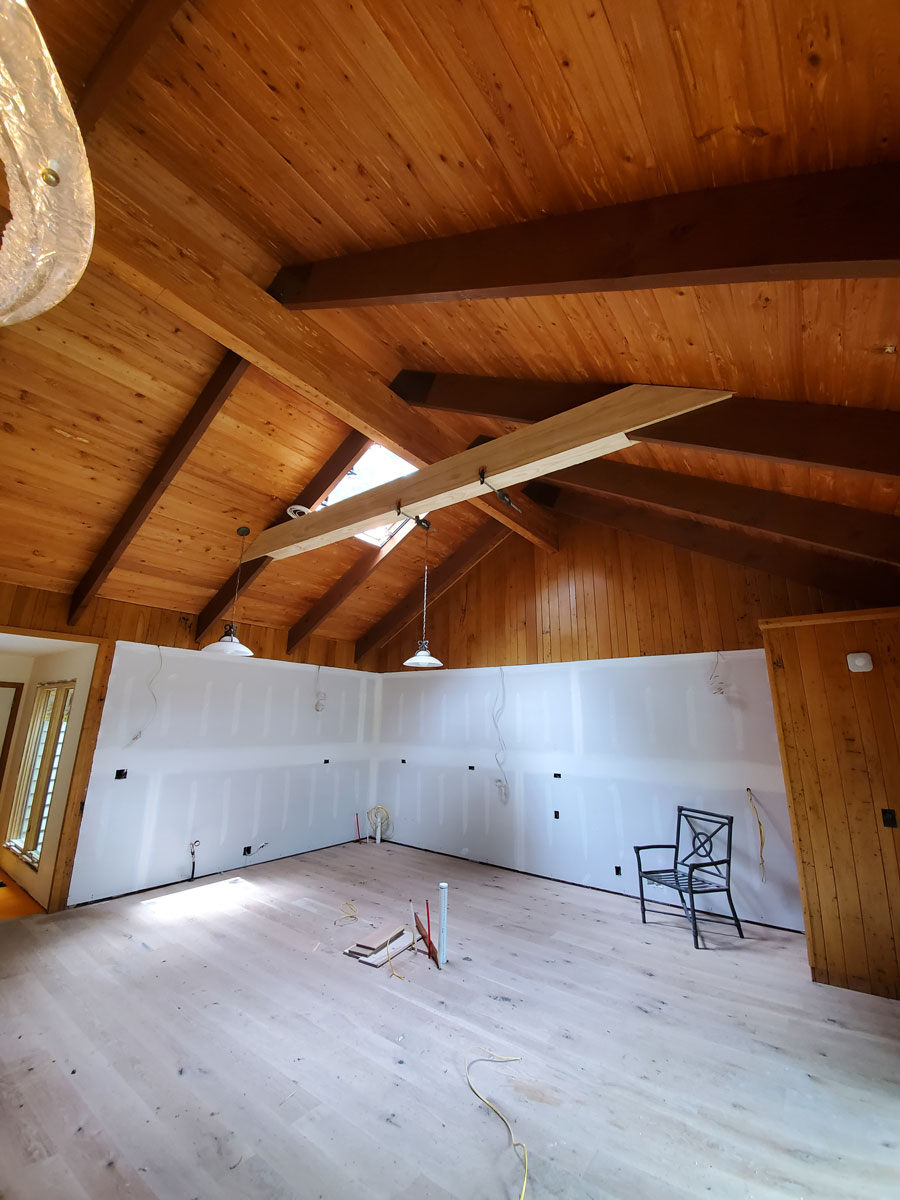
[423, 657]
[228, 644]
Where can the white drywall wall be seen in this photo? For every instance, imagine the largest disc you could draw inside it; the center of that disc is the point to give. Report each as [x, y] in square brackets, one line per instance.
[631, 740]
[231, 753]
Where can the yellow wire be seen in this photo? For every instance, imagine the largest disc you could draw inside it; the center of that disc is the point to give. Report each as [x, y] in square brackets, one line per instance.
[350, 912]
[396, 974]
[762, 836]
[512, 1137]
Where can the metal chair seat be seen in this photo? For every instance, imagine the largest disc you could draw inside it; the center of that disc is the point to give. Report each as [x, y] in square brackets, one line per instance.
[681, 881]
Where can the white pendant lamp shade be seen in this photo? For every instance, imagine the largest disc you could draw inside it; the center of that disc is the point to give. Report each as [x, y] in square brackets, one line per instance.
[423, 658]
[229, 645]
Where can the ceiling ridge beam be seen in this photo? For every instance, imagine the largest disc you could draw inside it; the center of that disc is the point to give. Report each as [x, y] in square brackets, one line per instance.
[344, 587]
[440, 579]
[856, 532]
[837, 224]
[861, 580]
[599, 427]
[347, 455]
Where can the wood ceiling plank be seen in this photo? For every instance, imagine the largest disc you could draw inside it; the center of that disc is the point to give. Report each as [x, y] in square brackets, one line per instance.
[440, 579]
[830, 527]
[831, 225]
[146, 249]
[874, 583]
[588, 431]
[344, 587]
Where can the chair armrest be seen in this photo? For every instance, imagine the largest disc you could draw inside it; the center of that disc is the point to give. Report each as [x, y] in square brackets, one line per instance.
[664, 846]
[701, 866]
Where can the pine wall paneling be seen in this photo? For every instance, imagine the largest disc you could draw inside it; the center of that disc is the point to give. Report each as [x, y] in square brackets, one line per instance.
[840, 745]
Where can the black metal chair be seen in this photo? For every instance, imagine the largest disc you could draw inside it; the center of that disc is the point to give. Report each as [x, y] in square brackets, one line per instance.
[701, 864]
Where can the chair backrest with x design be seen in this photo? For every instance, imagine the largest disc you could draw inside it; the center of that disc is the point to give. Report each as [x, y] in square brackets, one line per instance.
[704, 838]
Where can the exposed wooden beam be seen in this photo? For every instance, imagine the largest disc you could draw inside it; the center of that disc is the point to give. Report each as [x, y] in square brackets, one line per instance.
[831, 225]
[830, 527]
[134, 36]
[582, 433]
[521, 400]
[858, 580]
[440, 579]
[331, 473]
[827, 435]
[148, 249]
[218, 388]
[340, 591]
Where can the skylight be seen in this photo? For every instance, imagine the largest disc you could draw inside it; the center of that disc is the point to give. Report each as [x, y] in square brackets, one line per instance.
[375, 467]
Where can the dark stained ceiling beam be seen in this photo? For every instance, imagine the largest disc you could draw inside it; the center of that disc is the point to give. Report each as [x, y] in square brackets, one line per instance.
[826, 435]
[836, 528]
[142, 23]
[218, 388]
[340, 591]
[347, 455]
[831, 225]
[522, 400]
[440, 580]
[871, 583]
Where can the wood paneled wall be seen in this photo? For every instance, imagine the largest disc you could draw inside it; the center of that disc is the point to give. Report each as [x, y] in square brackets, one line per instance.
[606, 594]
[840, 747]
[25, 608]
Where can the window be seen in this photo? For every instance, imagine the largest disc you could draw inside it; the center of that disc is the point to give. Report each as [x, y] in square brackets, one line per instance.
[39, 769]
[376, 466]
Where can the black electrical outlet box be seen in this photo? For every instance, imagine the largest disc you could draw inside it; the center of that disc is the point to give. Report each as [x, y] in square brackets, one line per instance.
[471, 768]
[889, 817]
[248, 849]
[403, 760]
[557, 774]
[122, 773]
[618, 870]
[556, 814]
[326, 761]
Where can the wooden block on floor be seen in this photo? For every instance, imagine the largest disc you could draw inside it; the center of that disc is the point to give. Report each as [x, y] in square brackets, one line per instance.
[379, 938]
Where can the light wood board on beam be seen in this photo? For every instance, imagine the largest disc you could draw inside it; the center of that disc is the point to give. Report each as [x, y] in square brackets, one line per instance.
[589, 431]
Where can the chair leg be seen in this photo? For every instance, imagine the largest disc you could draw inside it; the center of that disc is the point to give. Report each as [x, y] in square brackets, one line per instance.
[641, 893]
[684, 905]
[694, 921]
[734, 913]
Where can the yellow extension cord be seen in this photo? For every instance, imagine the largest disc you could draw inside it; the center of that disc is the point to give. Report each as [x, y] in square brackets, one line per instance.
[762, 836]
[512, 1137]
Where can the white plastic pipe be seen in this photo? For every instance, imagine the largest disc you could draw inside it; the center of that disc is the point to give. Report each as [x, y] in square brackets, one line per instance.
[378, 831]
[442, 936]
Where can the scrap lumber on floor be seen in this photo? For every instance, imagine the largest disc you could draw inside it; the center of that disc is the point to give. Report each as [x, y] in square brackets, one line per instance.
[211, 1040]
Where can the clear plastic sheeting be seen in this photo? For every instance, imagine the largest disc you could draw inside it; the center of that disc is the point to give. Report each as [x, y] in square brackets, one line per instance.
[47, 243]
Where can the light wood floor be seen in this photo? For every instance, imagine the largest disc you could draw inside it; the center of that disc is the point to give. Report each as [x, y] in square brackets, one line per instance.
[212, 1041]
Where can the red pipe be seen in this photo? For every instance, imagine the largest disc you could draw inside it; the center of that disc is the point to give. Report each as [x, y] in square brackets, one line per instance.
[358, 838]
[428, 918]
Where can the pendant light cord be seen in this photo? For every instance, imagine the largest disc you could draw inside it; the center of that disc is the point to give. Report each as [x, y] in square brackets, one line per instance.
[242, 533]
[425, 595]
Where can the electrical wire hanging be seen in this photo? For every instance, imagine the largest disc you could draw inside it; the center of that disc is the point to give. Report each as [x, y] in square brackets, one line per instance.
[150, 682]
[499, 1058]
[497, 713]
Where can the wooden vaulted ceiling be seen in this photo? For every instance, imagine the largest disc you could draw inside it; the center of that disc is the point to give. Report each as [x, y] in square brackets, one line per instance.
[246, 138]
